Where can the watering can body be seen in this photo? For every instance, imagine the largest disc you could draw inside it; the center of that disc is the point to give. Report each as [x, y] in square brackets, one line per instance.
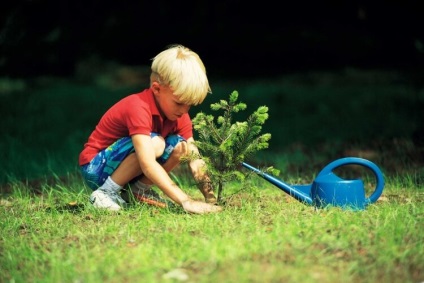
[328, 189]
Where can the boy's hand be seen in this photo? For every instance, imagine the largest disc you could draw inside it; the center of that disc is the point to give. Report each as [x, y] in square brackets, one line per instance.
[200, 207]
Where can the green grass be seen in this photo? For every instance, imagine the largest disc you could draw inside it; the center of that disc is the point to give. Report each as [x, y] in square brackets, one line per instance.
[262, 235]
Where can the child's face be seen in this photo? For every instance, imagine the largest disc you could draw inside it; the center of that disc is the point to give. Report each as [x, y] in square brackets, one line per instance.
[169, 105]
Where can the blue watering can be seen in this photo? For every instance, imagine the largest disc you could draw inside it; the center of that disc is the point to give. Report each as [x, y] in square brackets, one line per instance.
[328, 189]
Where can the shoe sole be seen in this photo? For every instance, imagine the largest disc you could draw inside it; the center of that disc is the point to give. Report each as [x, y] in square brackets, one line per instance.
[107, 208]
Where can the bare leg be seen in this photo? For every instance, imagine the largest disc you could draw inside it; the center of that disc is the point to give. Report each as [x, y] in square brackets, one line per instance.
[173, 161]
[130, 167]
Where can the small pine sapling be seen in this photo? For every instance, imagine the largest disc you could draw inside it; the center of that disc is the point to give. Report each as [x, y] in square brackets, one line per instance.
[225, 145]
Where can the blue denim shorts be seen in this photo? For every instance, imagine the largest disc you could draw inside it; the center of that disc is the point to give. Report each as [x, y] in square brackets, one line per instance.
[106, 161]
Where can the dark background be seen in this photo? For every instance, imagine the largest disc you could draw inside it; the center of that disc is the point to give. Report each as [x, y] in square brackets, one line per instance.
[234, 38]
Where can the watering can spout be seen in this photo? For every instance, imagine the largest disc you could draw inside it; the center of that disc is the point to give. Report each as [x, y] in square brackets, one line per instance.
[301, 193]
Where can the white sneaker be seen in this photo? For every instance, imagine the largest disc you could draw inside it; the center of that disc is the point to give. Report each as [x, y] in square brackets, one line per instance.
[107, 200]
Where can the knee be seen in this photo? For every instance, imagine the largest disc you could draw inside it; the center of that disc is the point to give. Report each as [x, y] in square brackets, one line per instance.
[158, 145]
[180, 150]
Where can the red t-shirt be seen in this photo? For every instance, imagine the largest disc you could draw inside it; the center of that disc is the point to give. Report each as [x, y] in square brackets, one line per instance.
[134, 114]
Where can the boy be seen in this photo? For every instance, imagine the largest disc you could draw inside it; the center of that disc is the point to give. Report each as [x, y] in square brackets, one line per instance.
[143, 136]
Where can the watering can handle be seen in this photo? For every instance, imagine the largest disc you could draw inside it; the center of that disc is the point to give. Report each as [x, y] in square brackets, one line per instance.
[363, 162]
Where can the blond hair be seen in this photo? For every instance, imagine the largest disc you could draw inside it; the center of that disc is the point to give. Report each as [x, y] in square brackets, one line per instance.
[183, 71]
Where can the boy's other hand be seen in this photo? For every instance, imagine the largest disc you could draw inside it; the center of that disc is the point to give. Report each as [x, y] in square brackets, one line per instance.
[199, 207]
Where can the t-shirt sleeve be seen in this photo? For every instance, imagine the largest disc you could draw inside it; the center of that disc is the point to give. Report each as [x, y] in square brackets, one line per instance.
[138, 118]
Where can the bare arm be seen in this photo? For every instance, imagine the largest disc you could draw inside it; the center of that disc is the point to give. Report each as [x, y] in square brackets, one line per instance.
[198, 169]
[154, 171]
